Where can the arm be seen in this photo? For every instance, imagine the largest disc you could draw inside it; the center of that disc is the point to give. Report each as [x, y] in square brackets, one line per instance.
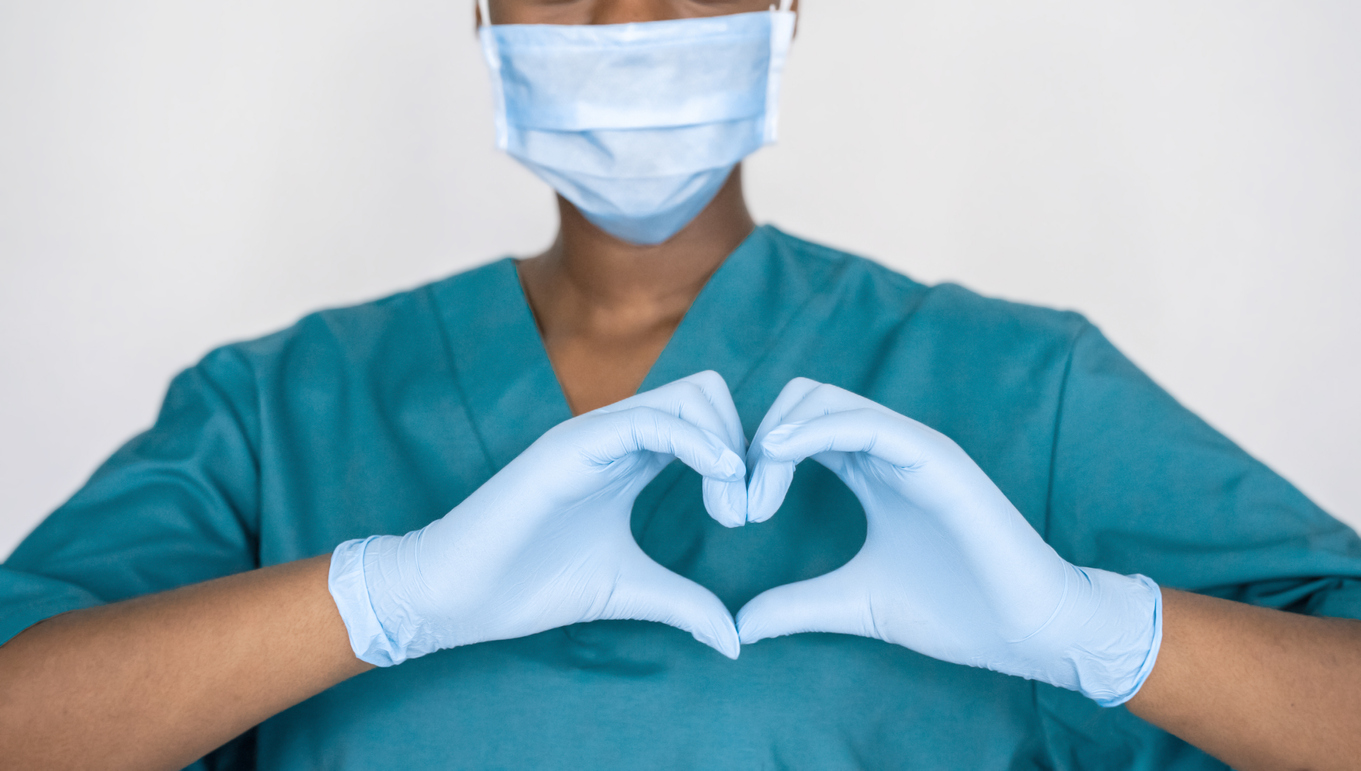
[159, 681]
[1257, 688]
[1141, 484]
[951, 570]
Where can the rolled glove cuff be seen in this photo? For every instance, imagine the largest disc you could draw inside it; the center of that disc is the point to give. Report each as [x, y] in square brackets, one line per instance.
[369, 641]
[1122, 639]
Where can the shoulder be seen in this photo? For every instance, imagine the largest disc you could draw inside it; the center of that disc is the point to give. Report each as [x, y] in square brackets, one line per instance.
[374, 340]
[876, 295]
[360, 330]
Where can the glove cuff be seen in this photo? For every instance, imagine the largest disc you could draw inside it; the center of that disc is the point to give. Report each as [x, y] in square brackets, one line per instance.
[369, 641]
[1116, 648]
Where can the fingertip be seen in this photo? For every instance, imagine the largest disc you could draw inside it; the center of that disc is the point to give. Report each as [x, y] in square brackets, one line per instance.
[752, 455]
[726, 502]
[770, 482]
[732, 644]
[731, 467]
[759, 517]
[754, 620]
[735, 496]
[737, 492]
[722, 637]
[747, 632]
[743, 617]
[728, 652]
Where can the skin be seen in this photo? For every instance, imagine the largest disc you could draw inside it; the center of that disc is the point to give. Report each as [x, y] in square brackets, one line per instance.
[606, 308]
[159, 681]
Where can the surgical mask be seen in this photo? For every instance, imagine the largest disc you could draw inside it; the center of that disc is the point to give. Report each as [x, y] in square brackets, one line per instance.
[638, 125]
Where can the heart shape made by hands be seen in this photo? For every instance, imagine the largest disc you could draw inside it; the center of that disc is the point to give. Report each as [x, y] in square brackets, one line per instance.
[948, 567]
[820, 528]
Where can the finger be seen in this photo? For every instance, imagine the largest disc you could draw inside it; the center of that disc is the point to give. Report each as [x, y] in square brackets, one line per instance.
[647, 429]
[792, 393]
[826, 399]
[768, 487]
[892, 438]
[770, 480]
[715, 390]
[835, 602]
[800, 400]
[649, 592]
[726, 500]
[704, 399]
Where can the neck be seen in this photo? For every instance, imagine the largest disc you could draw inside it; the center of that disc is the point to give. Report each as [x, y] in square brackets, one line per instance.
[595, 268]
[606, 308]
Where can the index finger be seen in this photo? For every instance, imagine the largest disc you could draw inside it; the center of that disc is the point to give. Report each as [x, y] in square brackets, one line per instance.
[703, 399]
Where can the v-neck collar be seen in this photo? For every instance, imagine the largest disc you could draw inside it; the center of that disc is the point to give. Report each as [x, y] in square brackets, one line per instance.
[506, 379]
[741, 315]
[500, 366]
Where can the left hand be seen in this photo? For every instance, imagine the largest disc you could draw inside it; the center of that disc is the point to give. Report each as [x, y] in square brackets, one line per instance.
[949, 567]
[546, 543]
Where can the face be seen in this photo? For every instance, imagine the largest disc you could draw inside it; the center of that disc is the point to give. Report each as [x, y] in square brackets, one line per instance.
[616, 11]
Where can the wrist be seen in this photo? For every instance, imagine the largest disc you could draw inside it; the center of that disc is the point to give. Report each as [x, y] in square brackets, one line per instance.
[1112, 632]
[348, 588]
[367, 580]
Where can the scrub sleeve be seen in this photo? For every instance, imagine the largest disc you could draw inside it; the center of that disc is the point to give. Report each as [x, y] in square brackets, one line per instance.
[1141, 484]
[174, 506]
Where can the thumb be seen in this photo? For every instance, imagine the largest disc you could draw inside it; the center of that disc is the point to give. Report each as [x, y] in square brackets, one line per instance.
[834, 602]
[887, 436]
[770, 480]
[649, 592]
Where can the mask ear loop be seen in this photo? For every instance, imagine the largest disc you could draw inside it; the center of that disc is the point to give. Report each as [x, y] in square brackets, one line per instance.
[781, 33]
[492, 54]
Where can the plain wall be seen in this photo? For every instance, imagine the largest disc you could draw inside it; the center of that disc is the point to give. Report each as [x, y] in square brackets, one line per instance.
[1188, 174]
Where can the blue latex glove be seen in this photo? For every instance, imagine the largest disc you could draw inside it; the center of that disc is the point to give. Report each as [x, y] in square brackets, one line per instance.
[546, 542]
[949, 567]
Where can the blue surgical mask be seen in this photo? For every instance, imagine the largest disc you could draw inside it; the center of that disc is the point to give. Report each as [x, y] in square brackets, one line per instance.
[638, 125]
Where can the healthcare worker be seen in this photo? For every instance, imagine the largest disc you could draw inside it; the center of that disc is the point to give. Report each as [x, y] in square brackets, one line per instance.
[445, 529]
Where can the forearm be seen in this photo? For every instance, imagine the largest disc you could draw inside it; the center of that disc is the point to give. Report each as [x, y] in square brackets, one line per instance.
[1257, 688]
[159, 681]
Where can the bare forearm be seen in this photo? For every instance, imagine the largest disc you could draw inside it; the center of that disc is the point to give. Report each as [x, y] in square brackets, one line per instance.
[159, 681]
[1257, 688]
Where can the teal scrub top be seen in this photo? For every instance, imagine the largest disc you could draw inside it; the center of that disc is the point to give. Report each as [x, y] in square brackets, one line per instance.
[381, 417]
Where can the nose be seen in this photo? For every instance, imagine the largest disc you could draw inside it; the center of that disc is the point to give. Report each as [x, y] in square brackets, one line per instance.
[626, 11]
[602, 11]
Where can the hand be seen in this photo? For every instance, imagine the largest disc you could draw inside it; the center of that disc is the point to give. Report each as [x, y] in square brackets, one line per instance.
[546, 541]
[949, 567]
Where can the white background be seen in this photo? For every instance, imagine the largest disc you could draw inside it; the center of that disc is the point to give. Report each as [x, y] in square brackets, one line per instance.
[174, 175]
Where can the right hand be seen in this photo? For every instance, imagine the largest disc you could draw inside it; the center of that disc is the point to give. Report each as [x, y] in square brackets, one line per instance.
[950, 568]
[546, 542]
